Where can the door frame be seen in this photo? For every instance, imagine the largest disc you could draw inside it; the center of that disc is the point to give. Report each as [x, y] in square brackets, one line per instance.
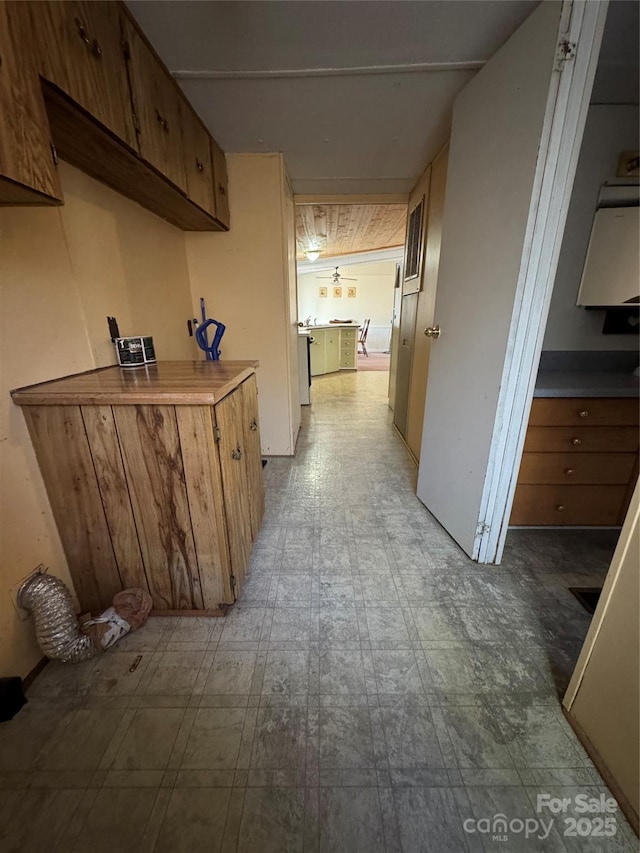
[582, 24]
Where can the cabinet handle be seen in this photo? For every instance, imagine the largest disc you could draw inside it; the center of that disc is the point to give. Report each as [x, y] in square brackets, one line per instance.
[576, 441]
[94, 46]
[584, 414]
[237, 453]
[199, 165]
[569, 471]
[221, 189]
[164, 124]
[253, 425]
[560, 508]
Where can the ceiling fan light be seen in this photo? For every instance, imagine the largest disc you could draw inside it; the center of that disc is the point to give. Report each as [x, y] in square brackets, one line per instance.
[312, 254]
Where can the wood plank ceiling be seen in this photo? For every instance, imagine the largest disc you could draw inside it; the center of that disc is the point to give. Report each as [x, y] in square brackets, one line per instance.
[343, 229]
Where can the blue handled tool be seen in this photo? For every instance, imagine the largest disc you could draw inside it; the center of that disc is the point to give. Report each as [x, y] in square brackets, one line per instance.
[202, 339]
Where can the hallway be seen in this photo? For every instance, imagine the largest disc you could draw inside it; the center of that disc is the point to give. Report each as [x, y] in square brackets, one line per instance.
[372, 690]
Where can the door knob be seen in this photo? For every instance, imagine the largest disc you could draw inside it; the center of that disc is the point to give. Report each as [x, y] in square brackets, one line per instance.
[432, 331]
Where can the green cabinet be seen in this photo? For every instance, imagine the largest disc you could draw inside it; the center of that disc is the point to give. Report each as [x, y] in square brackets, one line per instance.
[334, 348]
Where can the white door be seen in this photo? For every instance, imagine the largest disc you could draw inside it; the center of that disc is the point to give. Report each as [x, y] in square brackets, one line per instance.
[514, 142]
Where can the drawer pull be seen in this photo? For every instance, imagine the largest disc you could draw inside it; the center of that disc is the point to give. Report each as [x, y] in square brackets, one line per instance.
[199, 165]
[584, 414]
[560, 507]
[253, 426]
[569, 471]
[94, 46]
[164, 124]
[576, 441]
[237, 453]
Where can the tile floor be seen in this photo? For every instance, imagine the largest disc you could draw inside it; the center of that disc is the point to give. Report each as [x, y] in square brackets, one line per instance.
[372, 690]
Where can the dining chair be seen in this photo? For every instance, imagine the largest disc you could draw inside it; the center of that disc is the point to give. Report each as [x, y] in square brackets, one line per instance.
[362, 339]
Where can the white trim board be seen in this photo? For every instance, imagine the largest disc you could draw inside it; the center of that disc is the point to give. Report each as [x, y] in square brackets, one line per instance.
[557, 160]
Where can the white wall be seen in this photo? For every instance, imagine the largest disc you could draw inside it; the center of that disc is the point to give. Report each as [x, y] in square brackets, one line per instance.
[610, 129]
[63, 270]
[244, 276]
[374, 299]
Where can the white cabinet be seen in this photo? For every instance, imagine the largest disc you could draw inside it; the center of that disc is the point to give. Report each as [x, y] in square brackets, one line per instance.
[611, 271]
[334, 348]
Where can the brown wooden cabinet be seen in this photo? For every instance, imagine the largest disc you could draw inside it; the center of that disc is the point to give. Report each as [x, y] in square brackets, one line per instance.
[110, 107]
[580, 462]
[154, 479]
[28, 172]
[79, 50]
[156, 105]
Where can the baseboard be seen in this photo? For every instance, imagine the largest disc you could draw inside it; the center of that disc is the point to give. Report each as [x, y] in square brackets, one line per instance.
[625, 804]
[28, 680]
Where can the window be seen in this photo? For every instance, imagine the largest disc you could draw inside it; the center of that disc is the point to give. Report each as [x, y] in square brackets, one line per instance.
[414, 247]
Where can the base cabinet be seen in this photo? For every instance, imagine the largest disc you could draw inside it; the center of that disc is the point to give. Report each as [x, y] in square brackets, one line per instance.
[164, 497]
[580, 462]
[334, 348]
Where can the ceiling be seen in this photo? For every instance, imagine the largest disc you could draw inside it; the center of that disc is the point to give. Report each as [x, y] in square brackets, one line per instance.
[343, 229]
[358, 95]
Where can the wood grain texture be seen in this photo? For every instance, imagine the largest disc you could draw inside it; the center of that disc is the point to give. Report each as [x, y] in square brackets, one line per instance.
[167, 382]
[572, 505]
[584, 411]
[79, 49]
[107, 461]
[342, 229]
[253, 456]
[84, 144]
[156, 103]
[63, 454]
[27, 171]
[197, 159]
[220, 184]
[592, 439]
[206, 502]
[575, 468]
[228, 415]
[150, 444]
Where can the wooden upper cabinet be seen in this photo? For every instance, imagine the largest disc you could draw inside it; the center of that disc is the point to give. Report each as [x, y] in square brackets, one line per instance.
[156, 104]
[197, 160]
[80, 51]
[220, 186]
[27, 169]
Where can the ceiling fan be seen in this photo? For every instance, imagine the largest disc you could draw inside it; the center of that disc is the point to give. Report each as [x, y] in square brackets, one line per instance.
[336, 277]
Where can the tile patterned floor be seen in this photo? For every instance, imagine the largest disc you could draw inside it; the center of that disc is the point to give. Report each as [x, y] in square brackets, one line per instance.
[372, 691]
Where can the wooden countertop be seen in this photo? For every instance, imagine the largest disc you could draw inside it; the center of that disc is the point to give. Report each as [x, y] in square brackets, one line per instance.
[166, 382]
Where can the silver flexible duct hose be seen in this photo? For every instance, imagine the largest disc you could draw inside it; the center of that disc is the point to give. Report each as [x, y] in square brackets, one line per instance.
[57, 629]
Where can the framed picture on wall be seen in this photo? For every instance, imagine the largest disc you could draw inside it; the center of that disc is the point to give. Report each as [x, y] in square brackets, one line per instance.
[414, 250]
[351, 293]
[337, 292]
[322, 292]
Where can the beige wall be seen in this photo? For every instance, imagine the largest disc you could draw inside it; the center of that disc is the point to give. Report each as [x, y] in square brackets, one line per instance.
[603, 696]
[244, 277]
[62, 271]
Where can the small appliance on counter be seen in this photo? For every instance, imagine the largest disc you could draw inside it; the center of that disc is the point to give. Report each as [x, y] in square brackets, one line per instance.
[135, 351]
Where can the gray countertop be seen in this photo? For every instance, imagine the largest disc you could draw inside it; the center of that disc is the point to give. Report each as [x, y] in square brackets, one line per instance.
[586, 383]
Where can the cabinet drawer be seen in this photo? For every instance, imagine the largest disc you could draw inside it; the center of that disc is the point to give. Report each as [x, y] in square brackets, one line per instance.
[348, 335]
[581, 439]
[584, 411]
[573, 468]
[577, 505]
[348, 346]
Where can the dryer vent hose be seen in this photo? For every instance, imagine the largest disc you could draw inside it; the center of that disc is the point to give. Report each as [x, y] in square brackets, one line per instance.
[57, 628]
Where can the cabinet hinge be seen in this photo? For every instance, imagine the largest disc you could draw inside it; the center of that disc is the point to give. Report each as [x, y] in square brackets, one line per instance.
[482, 528]
[566, 51]
[232, 580]
[54, 153]
[126, 50]
[136, 123]
[216, 433]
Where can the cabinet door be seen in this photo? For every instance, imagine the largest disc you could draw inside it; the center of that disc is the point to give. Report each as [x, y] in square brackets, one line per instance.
[80, 50]
[317, 351]
[253, 455]
[220, 184]
[151, 453]
[27, 170]
[332, 351]
[197, 160]
[156, 104]
[229, 415]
